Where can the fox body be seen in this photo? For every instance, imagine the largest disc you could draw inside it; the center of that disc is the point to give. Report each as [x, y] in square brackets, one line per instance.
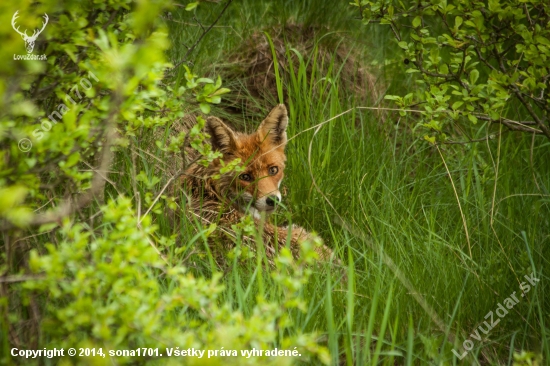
[254, 190]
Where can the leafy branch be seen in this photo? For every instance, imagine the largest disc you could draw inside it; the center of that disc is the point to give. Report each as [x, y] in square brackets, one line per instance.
[483, 61]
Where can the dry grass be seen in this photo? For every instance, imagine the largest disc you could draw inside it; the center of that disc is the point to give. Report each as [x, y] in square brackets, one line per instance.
[250, 67]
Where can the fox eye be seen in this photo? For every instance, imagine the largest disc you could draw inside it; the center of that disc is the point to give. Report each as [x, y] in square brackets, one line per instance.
[245, 177]
[273, 170]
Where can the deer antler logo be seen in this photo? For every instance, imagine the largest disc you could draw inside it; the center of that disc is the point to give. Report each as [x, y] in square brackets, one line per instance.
[29, 41]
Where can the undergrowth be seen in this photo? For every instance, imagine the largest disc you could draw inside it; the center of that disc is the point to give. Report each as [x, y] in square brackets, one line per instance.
[432, 237]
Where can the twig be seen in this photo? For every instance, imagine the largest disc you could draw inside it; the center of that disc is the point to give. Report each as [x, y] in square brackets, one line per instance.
[531, 162]
[496, 169]
[522, 195]
[199, 23]
[488, 137]
[458, 200]
[313, 177]
[173, 178]
[205, 31]
[69, 207]
[176, 176]
[15, 279]
[508, 123]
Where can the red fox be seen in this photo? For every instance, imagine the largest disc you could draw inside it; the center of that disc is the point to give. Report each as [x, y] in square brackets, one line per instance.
[255, 190]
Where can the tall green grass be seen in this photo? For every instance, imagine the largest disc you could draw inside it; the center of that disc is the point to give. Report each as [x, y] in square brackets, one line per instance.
[390, 205]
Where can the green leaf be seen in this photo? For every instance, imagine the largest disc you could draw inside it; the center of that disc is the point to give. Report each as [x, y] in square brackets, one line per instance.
[430, 139]
[205, 108]
[403, 45]
[218, 82]
[543, 40]
[72, 160]
[47, 227]
[417, 21]
[191, 6]
[205, 80]
[474, 75]
[457, 105]
[472, 118]
[221, 91]
[11, 197]
[458, 21]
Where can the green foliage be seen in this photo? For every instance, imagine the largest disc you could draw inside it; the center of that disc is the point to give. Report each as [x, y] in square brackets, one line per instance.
[475, 60]
[105, 281]
[78, 272]
[112, 290]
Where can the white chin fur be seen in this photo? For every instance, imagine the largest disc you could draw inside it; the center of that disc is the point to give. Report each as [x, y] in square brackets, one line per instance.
[255, 213]
[258, 206]
[261, 204]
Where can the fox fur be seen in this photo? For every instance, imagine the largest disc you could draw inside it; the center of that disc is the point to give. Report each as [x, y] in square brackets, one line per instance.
[253, 191]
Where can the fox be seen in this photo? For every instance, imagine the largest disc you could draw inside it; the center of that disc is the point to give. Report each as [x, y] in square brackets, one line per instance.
[254, 190]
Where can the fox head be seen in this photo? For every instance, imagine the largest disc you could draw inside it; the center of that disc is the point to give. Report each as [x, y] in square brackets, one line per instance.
[262, 154]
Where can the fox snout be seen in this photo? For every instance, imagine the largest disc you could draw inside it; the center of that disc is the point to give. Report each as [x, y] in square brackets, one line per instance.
[255, 200]
[268, 203]
[271, 200]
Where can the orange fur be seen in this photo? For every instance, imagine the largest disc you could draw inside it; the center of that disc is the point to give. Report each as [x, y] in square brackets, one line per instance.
[255, 190]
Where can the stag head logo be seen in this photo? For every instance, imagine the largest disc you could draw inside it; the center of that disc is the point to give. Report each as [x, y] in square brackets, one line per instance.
[29, 40]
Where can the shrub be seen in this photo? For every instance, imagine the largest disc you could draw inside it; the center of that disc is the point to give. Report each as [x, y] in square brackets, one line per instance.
[79, 272]
[475, 60]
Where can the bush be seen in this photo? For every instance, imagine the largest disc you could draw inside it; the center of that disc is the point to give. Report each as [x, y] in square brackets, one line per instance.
[475, 60]
[78, 272]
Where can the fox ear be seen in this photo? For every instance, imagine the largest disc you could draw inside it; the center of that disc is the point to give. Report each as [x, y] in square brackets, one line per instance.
[273, 127]
[221, 136]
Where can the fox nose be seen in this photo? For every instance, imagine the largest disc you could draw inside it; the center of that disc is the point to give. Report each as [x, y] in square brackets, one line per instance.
[271, 200]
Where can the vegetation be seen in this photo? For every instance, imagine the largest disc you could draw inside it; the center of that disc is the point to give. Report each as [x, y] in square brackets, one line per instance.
[431, 235]
[478, 60]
